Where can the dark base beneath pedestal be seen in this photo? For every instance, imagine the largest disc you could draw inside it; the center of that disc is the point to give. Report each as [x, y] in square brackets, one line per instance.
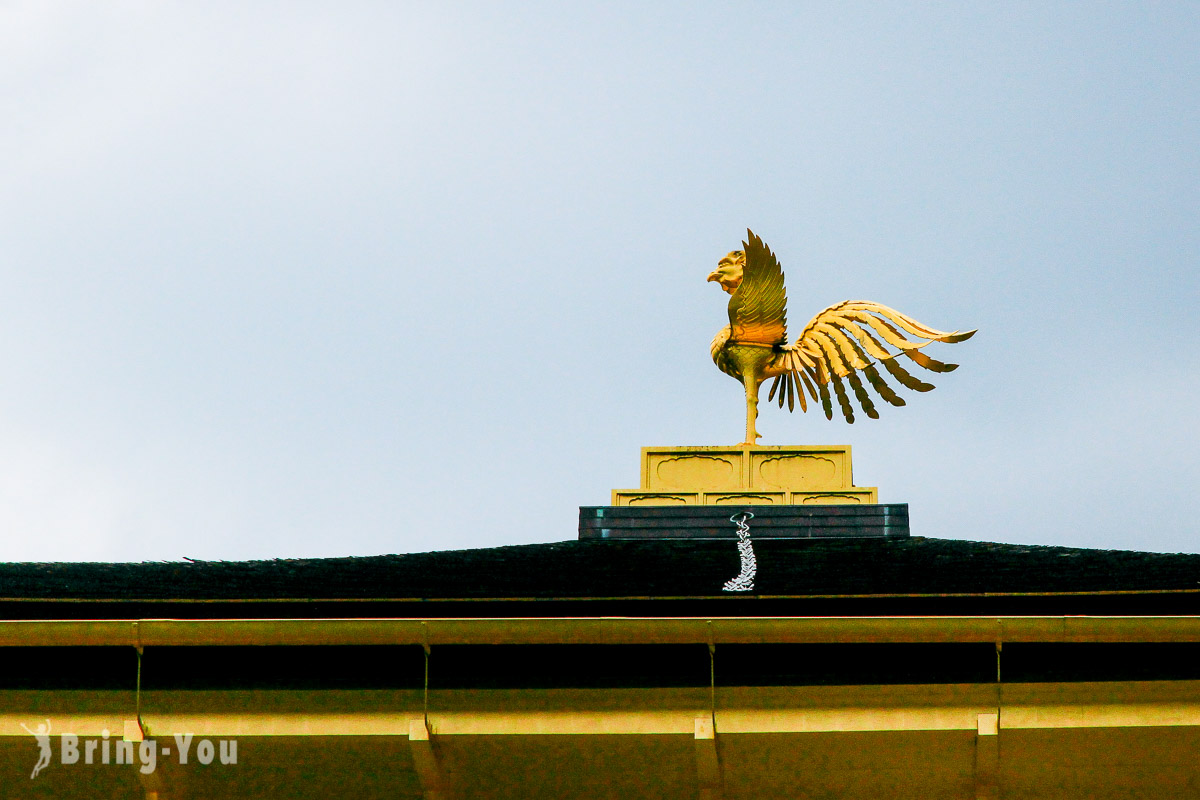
[768, 522]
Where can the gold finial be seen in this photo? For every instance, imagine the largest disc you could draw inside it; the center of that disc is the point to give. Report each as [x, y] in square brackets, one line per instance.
[838, 344]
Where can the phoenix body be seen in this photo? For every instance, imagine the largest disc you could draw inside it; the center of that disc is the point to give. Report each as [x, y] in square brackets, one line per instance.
[841, 345]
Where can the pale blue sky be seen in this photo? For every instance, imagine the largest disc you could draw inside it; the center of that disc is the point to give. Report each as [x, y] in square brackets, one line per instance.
[301, 279]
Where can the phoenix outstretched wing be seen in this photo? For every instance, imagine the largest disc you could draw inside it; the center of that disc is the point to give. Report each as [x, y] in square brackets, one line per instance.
[758, 308]
[843, 341]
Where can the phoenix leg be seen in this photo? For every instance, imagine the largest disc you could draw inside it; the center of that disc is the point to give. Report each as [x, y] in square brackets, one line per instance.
[752, 435]
[750, 362]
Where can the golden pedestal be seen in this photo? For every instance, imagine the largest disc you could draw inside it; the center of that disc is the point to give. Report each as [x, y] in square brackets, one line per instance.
[743, 475]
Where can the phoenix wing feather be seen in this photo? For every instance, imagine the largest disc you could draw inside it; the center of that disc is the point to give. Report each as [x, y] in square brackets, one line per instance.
[758, 308]
[843, 344]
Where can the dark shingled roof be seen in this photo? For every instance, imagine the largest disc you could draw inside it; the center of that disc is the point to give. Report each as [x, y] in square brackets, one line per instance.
[658, 570]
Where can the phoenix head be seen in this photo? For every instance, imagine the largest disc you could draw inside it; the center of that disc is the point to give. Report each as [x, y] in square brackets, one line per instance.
[729, 271]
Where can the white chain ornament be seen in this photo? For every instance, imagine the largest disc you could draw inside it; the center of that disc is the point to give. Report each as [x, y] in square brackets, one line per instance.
[744, 582]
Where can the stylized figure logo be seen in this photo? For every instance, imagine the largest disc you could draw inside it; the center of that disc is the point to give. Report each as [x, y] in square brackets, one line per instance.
[42, 734]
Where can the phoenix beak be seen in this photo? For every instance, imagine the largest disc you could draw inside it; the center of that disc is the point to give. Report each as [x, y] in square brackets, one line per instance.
[715, 275]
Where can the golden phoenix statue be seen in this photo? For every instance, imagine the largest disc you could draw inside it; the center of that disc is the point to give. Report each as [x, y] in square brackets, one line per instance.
[837, 344]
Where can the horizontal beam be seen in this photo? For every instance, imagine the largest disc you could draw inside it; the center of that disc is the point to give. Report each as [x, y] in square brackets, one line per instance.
[592, 630]
[740, 710]
[731, 723]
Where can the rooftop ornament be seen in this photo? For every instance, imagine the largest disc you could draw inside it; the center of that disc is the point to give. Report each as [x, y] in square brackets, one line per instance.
[839, 352]
[744, 582]
[839, 345]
